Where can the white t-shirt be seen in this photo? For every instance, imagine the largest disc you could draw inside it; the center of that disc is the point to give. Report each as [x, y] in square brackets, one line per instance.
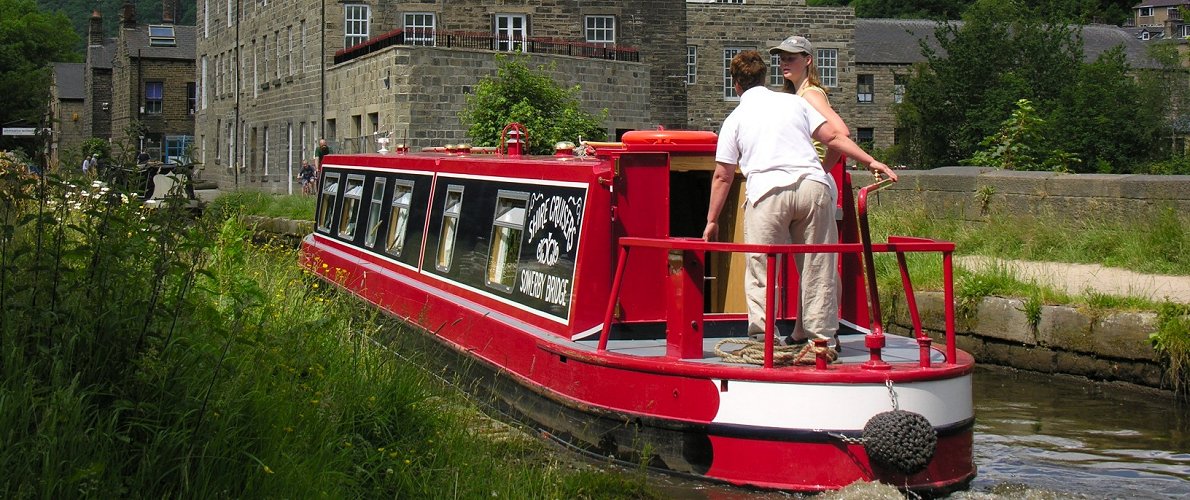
[768, 136]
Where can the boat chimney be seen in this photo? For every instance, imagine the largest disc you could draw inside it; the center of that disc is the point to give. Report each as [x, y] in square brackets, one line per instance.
[514, 142]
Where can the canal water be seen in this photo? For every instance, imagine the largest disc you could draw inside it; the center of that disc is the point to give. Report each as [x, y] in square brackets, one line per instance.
[1050, 437]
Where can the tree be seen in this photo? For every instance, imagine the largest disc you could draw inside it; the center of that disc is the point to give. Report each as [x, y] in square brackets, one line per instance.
[1007, 51]
[29, 41]
[549, 112]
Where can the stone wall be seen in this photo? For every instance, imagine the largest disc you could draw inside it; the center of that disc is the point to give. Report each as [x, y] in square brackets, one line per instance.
[760, 24]
[427, 87]
[1106, 347]
[975, 193]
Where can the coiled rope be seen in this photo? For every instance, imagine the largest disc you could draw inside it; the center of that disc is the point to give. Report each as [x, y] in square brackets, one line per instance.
[752, 352]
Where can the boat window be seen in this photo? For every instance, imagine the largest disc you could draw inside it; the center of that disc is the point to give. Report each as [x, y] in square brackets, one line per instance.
[351, 202]
[327, 206]
[374, 211]
[450, 226]
[507, 227]
[398, 218]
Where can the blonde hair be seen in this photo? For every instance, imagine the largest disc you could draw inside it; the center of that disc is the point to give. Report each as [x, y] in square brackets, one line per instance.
[811, 75]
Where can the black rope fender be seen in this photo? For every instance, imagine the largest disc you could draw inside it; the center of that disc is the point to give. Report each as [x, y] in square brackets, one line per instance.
[900, 440]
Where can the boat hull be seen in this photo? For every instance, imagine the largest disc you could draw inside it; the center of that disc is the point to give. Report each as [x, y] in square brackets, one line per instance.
[791, 429]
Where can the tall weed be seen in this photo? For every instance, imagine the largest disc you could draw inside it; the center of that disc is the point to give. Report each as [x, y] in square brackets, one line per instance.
[152, 354]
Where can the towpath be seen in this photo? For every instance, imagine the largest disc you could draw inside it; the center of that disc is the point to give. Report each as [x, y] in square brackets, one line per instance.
[1076, 279]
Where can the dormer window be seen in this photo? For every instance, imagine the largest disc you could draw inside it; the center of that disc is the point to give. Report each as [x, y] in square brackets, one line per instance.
[162, 36]
[1144, 35]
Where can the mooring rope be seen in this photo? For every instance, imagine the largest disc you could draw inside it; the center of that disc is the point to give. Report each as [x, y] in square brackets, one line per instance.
[752, 352]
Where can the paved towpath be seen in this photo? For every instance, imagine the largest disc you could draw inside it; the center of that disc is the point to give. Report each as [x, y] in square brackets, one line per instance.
[1076, 279]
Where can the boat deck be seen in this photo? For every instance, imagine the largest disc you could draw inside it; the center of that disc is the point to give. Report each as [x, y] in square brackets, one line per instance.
[898, 349]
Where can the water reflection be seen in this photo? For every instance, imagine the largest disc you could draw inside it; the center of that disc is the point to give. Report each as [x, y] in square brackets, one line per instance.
[1068, 436]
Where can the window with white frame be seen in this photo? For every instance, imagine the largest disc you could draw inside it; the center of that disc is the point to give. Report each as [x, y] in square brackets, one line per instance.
[265, 159]
[507, 227]
[191, 98]
[864, 88]
[326, 205]
[1186, 31]
[356, 18]
[374, 212]
[398, 218]
[600, 29]
[776, 79]
[153, 97]
[289, 53]
[899, 84]
[729, 1]
[419, 28]
[1145, 12]
[511, 31]
[728, 86]
[828, 67]
[206, 84]
[450, 226]
[351, 201]
[691, 64]
[280, 55]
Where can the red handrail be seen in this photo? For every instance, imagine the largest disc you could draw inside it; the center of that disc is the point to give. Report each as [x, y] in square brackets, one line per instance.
[875, 338]
[873, 341]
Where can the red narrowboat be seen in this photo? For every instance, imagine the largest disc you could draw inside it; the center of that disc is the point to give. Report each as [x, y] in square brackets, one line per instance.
[578, 280]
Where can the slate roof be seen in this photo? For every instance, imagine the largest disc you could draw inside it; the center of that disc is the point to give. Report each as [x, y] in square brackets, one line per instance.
[1161, 3]
[896, 41]
[69, 79]
[892, 41]
[101, 55]
[138, 38]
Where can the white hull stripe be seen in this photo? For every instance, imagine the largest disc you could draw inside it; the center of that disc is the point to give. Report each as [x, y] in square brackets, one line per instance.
[840, 406]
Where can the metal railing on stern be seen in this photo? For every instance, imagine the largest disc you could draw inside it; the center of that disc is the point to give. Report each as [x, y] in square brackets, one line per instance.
[685, 314]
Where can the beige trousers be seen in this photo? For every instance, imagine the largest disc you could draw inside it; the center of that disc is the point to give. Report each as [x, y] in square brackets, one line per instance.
[801, 213]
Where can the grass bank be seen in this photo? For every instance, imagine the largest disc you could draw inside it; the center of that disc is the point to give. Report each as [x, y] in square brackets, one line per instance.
[150, 354]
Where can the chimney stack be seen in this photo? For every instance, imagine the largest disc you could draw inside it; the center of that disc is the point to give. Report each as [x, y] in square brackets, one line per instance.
[128, 15]
[168, 11]
[95, 31]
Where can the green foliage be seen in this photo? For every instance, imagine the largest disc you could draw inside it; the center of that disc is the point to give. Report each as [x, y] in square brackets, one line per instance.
[1172, 342]
[150, 354]
[549, 112]
[1013, 146]
[294, 207]
[965, 102]
[29, 41]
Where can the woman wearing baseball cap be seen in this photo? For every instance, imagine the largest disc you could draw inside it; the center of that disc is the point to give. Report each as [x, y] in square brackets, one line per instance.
[801, 78]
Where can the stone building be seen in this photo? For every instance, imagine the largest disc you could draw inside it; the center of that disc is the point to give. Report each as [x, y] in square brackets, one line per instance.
[66, 111]
[139, 86]
[279, 74]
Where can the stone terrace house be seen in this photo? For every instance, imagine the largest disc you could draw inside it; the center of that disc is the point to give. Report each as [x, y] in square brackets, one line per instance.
[145, 75]
[277, 75]
[67, 109]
